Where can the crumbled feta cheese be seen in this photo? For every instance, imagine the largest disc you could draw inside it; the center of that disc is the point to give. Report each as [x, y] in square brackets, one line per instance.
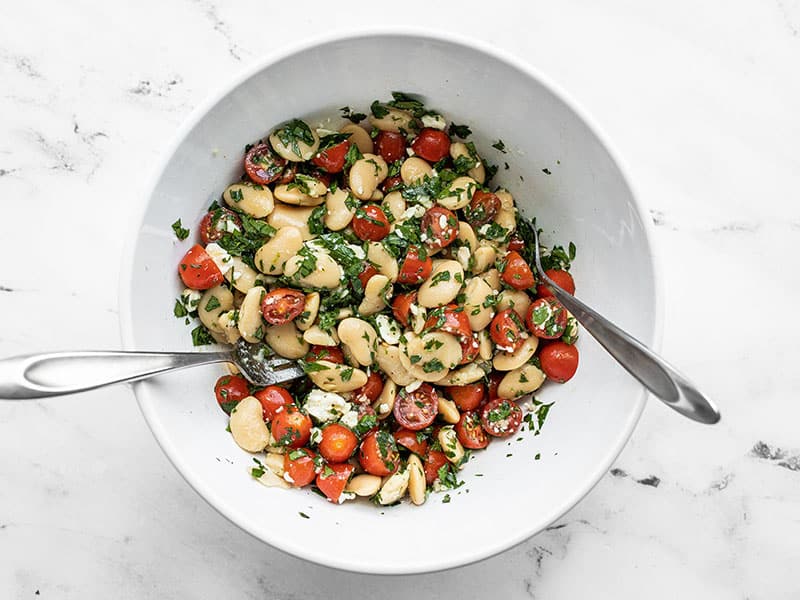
[415, 310]
[463, 257]
[413, 387]
[350, 418]
[442, 222]
[388, 329]
[358, 251]
[399, 233]
[383, 408]
[288, 477]
[191, 299]
[220, 256]
[344, 496]
[326, 406]
[409, 151]
[434, 121]
[483, 229]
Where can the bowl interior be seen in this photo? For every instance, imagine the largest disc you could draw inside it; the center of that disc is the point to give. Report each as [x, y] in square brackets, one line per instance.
[558, 171]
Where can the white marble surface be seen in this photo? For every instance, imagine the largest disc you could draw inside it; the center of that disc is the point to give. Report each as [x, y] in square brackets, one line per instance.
[702, 100]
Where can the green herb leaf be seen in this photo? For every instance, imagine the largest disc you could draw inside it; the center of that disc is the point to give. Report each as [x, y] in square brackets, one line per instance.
[201, 336]
[180, 232]
[462, 131]
[499, 145]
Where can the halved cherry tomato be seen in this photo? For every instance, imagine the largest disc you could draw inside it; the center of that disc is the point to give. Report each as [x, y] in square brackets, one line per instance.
[495, 377]
[390, 183]
[470, 348]
[217, 223]
[288, 173]
[467, 397]
[332, 159]
[431, 144]
[559, 361]
[482, 208]
[563, 280]
[440, 227]
[338, 443]
[517, 273]
[331, 353]
[290, 427]
[469, 431]
[198, 271]
[409, 439]
[300, 466]
[501, 417]
[262, 165]
[414, 269]
[370, 223]
[434, 461]
[506, 330]
[273, 398]
[378, 454]
[370, 390]
[367, 272]
[547, 319]
[450, 319]
[391, 145]
[401, 306]
[282, 305]
[229, 389]
[333, 479]
[323, 177]
[515, 243]
[416, 410]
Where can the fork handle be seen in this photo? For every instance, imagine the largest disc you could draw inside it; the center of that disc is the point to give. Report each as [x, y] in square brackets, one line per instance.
[49, 374]
[652, 371]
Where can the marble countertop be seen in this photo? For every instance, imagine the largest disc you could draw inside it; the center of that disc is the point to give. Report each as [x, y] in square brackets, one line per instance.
[702, 100]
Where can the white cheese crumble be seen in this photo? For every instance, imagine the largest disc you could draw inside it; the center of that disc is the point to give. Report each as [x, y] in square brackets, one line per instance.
[434, 121]
[326, 406]
[463, 257]
[350, 418]
[409, 151]
[344, 496]
[288, 477]
[358, 251]
[388, 329]
[316, 436]
[191, 299]
[383, 408]
[413, 387]
[220, 256]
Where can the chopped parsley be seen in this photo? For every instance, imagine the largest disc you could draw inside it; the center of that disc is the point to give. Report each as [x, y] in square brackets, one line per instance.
[354, 117]
[499, 145]
[180, 232]
[294, 132]
[201, 336]
[462, 131]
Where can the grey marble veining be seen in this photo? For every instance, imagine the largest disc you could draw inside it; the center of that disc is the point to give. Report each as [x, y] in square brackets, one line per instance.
[700, 99]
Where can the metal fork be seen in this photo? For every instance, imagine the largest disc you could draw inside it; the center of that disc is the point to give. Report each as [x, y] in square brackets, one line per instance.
[652, 371]
[49, 374]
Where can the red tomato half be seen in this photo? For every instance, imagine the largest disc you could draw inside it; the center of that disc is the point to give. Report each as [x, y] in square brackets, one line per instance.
[331, 353]
[547, 319]
[414, 269]
[470, 348]
[409, 439]
[506, 330]
[273, 398]
[300, 466]
[291, 428]
[391, 145]
[482, 208]
[467, 397]
[378, 454]
[391, 183]
[262, 165]
[450, 319]
[563, 280]
[416, 410]
[495, 377]
[559, 361]
[217, 223]
[401, 306]
[338, 443]
[333, 479]
[434, 461]
[440, 226]
[282, 305]
[367, 272]
[287, 176]
[469, 431]
[370, 391]
[332, 159]
[370, 223]
[198, 271]
[516, 243]
[431, 144]
[517, 273]
[501, 417]
[229, 389]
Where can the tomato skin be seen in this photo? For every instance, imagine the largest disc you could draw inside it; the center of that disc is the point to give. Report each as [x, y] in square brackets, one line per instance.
[416, 410]
[439, 236]
[370, 390]
[559, 361]
[263, 165]
[467, 397]
[483, 208]
[563, 280]
[506, 331]
[288, 173]
[282, 305]
[408, 439]
[370, 223]
[332, 159]
[333, 484]
[391, 145]
[450, 319]
[391, 183]
[367, 272]
[505, 426]
[516, 243]
[495, 377]
[401, 307]
[517, 273]
[431, 144]
[212, 226]
[470, 432]
[552, 318]
[331, 353]
[198, 271]
[434, 461]
[470, 348]
[338, 443]
[229, 389]
[290, 427]
[378, 453]
[273, 398]
[414, 269]
[302, 470]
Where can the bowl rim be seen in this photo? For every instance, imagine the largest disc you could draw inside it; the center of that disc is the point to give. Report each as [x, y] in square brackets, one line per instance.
[197, 114]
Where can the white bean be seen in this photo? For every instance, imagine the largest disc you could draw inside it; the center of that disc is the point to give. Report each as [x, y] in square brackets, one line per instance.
[285, 215]
[461, 192]
[478, 304]
[230, 330]
[294, 194]
[506, 217]
[247, 425]
[253, 199]
[466, 234]
[394, 204]
[294, 149]
[272, 256]
[364, 485]
[360, 137]
[516, 299]
[242, 276]
[492, 277]
[310, 312]
[286, 340]
[505, 361]
[414, 170]
[451, 447]
[469, 373]
[394, 487]
[448, 410]
[416, 480]
[524, 380]
[213, 303]
[337, 213]
[478, 172]
[385, 402]
[431, 356]
[326, 274]
[482, 259]
[394, 120]
[384, 262]
[376, 292]
[275, 463]
[251, 325]
[365, 175]
[485, 348]
[388, 359]
[333, 377]
[443, 285]
[318, 337]
[360, 337]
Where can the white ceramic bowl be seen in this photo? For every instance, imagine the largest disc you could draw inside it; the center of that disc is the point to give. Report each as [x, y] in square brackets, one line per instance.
[586, 198]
